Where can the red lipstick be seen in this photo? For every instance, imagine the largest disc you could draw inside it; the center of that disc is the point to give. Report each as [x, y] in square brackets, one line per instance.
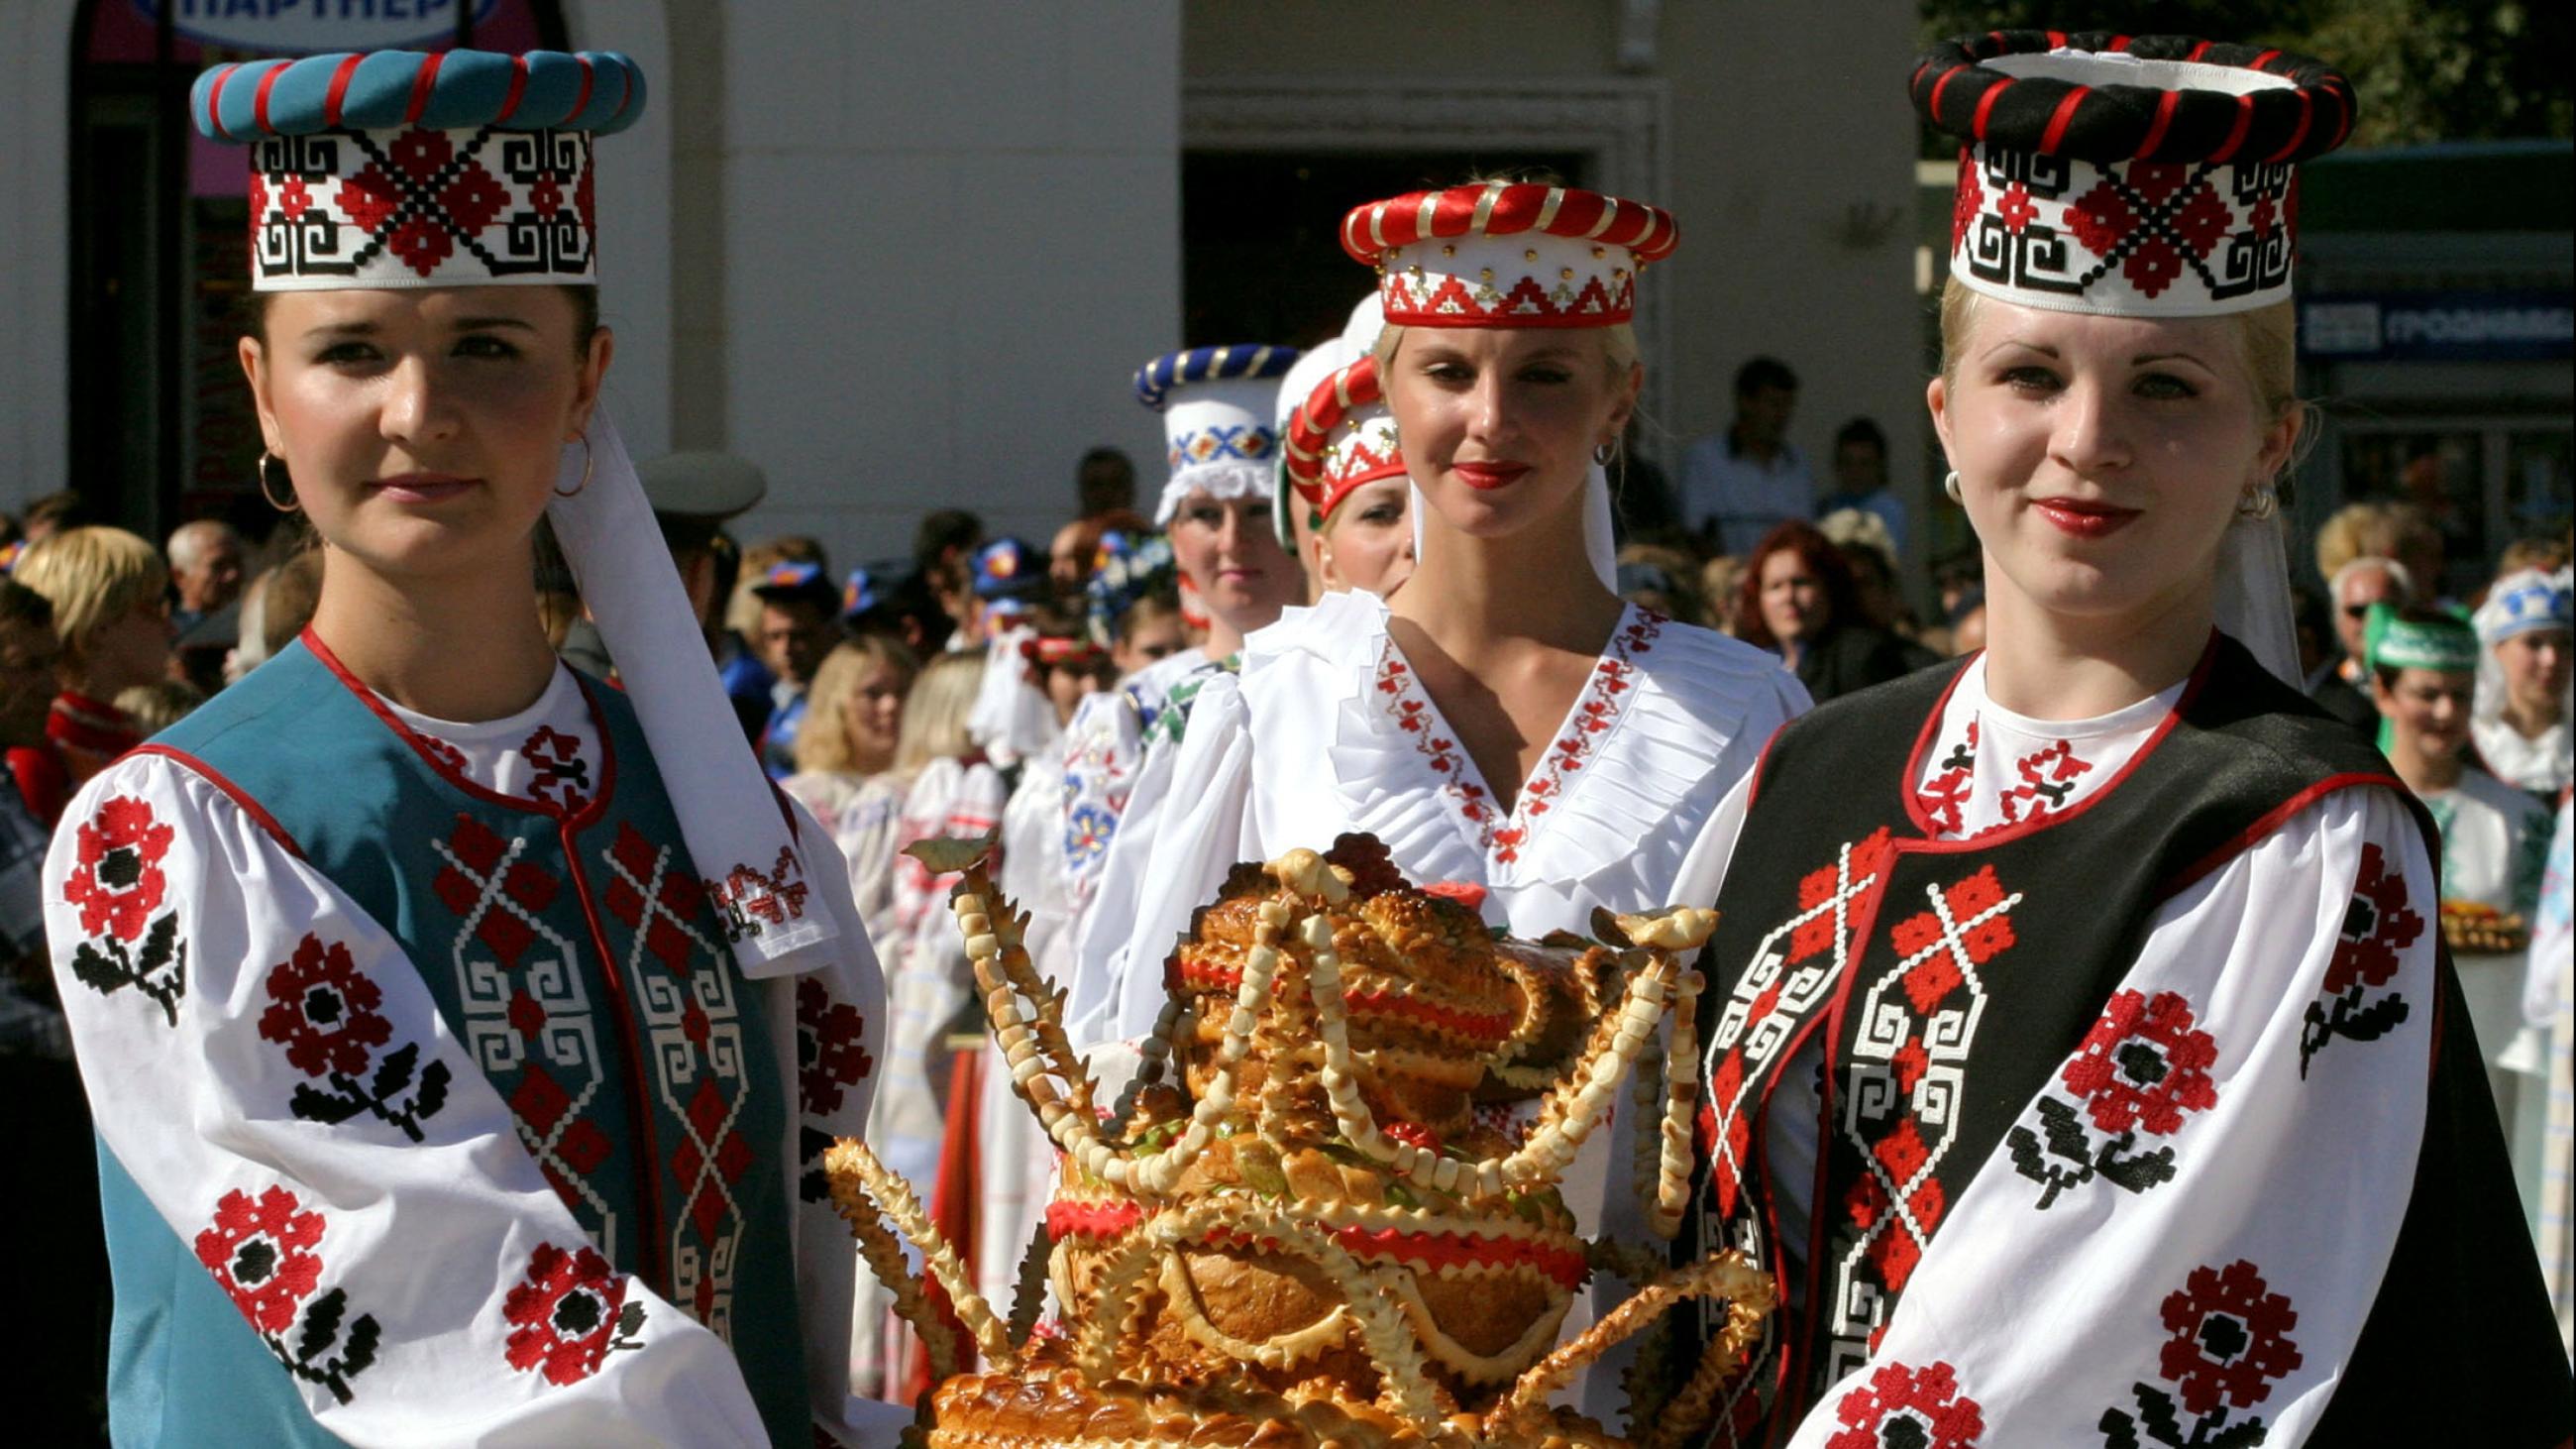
[2084, 517]
[1487, 476]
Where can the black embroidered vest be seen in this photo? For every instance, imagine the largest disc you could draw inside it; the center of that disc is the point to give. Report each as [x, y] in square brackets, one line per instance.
[1947, 979]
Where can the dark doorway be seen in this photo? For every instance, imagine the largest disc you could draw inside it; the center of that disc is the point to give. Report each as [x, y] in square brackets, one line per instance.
[1262, 257]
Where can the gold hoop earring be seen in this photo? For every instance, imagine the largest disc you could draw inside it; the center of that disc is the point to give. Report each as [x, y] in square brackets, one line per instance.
[587, 460]
[259, 470]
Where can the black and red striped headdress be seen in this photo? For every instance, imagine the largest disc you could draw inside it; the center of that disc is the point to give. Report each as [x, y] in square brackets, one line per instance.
[2146, 176]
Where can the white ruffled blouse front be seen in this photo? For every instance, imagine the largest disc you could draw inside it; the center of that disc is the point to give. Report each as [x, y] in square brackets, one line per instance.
[1328, 731]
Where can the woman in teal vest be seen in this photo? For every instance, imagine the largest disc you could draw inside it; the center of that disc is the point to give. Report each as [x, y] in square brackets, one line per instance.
[461, 1033]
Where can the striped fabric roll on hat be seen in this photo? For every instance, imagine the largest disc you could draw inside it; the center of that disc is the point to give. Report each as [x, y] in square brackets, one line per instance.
[2128, 176]
[1219, 422]
[1508, 254]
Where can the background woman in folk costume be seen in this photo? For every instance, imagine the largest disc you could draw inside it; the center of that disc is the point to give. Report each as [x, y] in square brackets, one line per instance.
[2083, 1054]
[1503, 722]
[1217, 405]
[455, 1028]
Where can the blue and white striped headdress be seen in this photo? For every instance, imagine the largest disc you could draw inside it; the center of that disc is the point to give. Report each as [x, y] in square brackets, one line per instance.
[1218, 420]
[404, 169]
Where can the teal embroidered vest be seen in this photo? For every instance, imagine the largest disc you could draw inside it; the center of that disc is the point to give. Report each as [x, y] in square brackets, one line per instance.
[574, 954]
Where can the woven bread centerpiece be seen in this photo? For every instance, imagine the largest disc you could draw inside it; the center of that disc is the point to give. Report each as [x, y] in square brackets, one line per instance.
[1316, 1217]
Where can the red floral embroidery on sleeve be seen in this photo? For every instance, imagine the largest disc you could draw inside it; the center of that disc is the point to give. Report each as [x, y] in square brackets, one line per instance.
[326, 1013]
[262, 1253]
[571, 1312]
[1908, 1408]
[2230, 1343]
[117, 883]
[2378, 923]
[2143, 1068]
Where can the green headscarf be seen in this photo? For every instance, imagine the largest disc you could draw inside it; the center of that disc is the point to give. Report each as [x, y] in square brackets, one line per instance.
[2445, 642]
[2389, 640]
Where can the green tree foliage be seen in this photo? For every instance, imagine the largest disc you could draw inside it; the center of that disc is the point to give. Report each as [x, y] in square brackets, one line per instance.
[2425, 70]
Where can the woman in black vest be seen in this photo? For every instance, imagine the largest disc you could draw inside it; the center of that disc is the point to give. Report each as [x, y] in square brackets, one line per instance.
[2084, 1058]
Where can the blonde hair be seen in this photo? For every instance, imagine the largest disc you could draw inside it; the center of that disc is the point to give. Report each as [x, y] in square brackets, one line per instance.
[93, 577]
[823, 740]
[934, 715]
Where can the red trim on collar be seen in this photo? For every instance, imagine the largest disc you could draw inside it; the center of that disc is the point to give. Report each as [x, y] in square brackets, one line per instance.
[589, 812]
[257, 812]
[1932, 725]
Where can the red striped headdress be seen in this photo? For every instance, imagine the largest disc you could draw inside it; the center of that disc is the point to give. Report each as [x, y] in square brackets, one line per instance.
[1340, 437]
[1508, 254]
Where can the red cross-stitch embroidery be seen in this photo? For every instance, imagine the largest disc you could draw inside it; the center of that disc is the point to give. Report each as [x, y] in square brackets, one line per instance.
[2230, 1342]
[1923, 1014]
[484, 879]
[538, 1045]
[2230, 1337]
[328, 1016]
[2048, 778]
[2378, 923]
[1908, 1408]
[568, 1313]
[1769, 1000]
[558, 775]
[261, 1252]
[117, 882]
[2143, 1065]
[2142, 1069]
[831, 1048]
[1596, 709]
[323, 1010]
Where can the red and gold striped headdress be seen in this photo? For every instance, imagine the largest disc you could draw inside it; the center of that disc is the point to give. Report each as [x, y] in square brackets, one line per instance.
[1508, 254]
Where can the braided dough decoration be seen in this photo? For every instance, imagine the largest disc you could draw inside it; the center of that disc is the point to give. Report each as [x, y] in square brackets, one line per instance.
[1335, 1026]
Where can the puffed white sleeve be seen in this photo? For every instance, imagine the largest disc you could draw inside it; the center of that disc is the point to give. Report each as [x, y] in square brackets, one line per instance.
[267, 1067]
[2191, 1221]
[1168, 870]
